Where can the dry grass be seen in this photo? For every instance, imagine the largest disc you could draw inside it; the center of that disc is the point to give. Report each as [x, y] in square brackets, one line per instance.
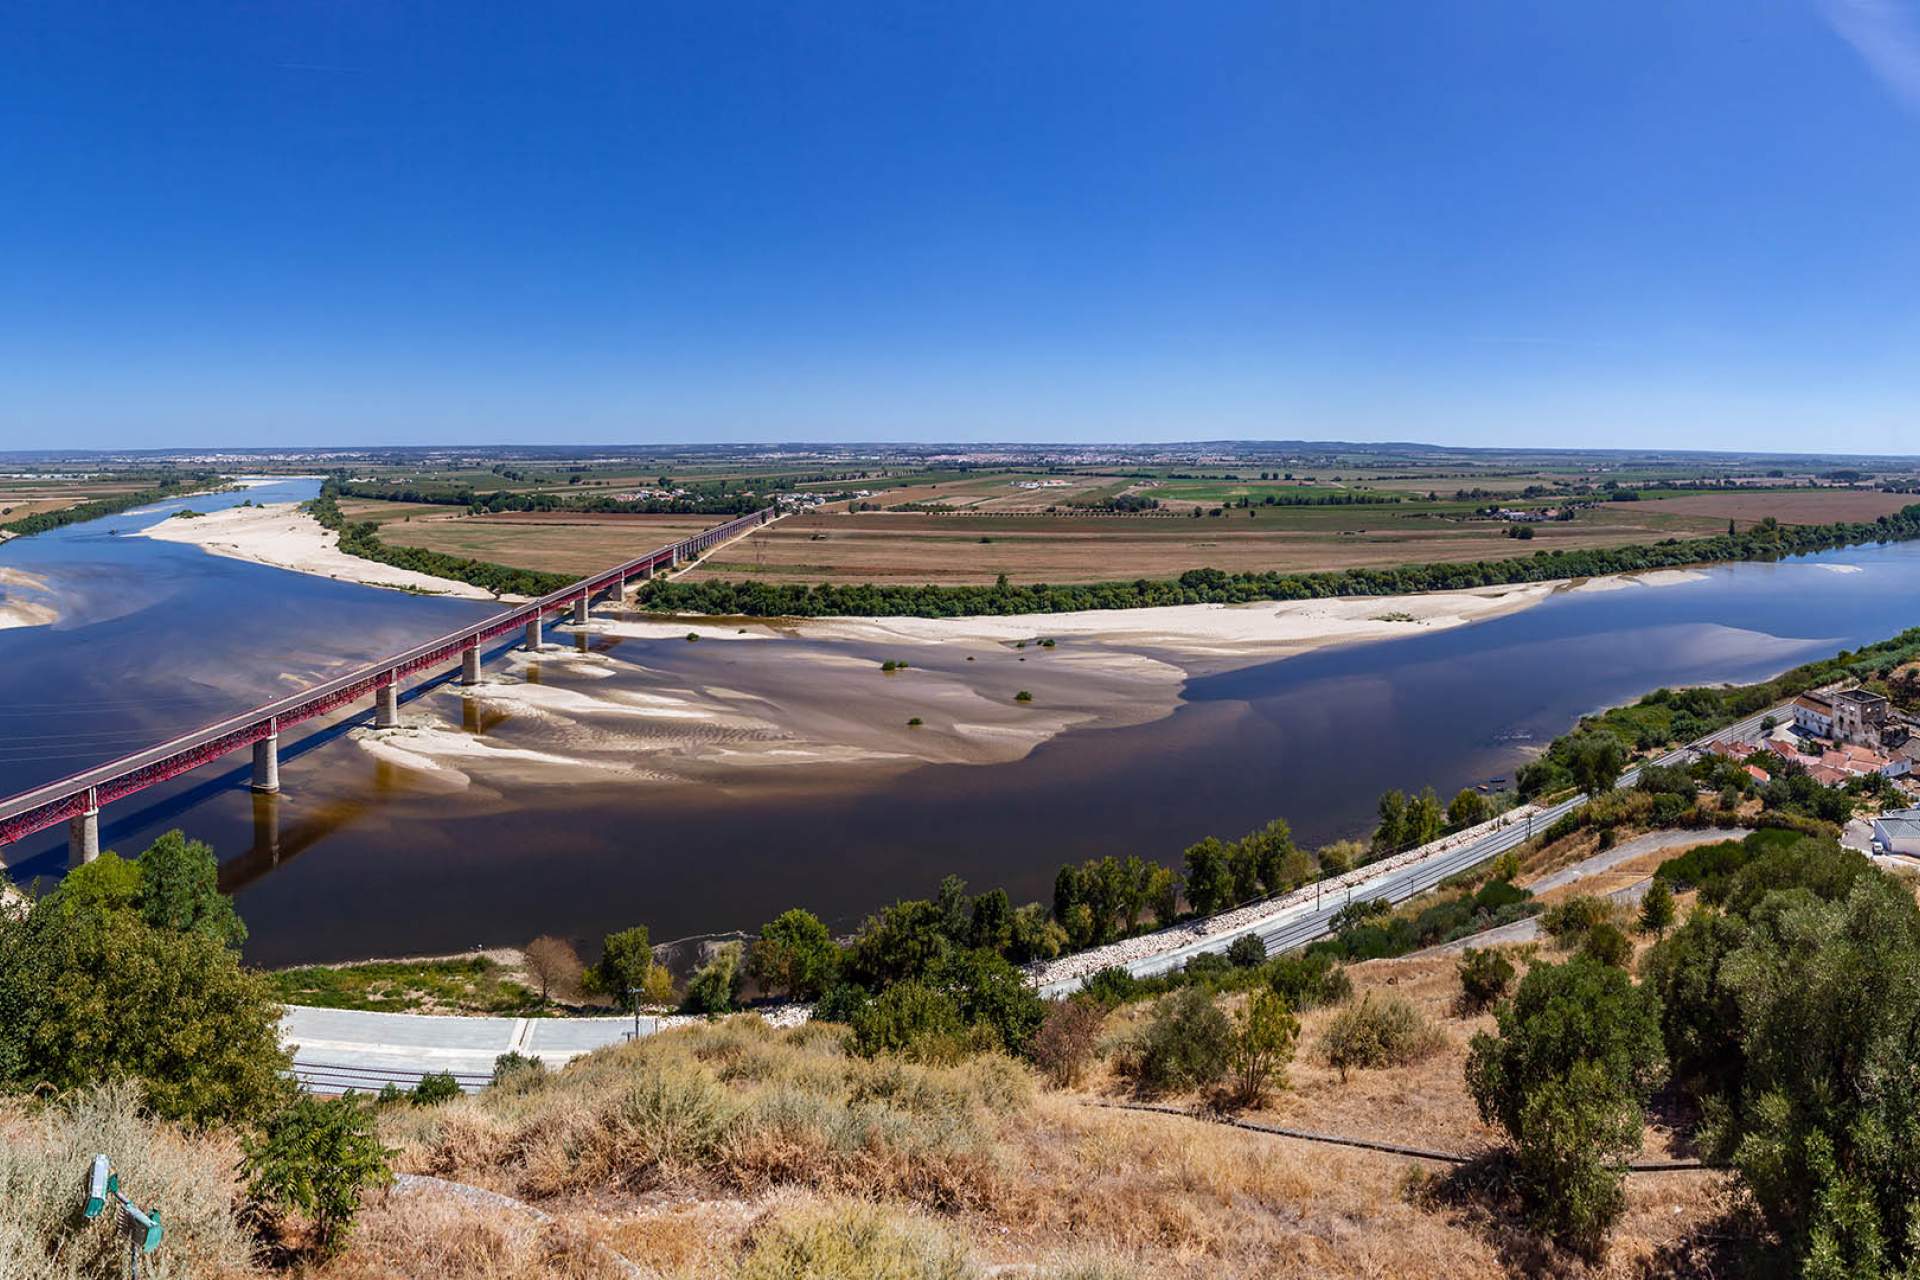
[553, 542]
[1801, 506]
[891, 547]
[44, 1154]
[719, 1149]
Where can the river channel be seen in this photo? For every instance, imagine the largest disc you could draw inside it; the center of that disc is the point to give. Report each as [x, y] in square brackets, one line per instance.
[360, 856]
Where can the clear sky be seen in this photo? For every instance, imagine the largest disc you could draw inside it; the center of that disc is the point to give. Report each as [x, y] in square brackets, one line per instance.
[1634, 222]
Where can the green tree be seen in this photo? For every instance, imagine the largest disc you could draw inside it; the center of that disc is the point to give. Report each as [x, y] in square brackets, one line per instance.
[317, 1157]
[794, 956]
[1264, 1035]
[626, 962]
[1426, 820]
[992, 923]
[1656, 909]
[1468, 808]
[180, 890]
[93, 994]
[1578, 1052]
[1391, 833]
[990, 994]
[715, 985]
[1187, 1044]
[898, 942]
[911, 1018]
[1209, 878]
[1595, 760]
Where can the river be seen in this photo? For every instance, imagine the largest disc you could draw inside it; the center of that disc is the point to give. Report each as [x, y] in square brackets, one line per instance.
[358, 857]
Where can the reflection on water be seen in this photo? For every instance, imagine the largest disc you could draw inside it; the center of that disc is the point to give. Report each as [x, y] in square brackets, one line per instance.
[358, 857]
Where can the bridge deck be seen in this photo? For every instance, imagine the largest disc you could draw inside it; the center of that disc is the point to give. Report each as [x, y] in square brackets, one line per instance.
[27, 812]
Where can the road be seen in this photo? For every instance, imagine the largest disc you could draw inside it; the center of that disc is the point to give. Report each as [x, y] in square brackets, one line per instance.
[1298, 918]
[341, 1049]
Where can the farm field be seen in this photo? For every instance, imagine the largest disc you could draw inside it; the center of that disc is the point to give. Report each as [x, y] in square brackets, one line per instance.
[988, 535]
[906, 548]
[20, 498]
[549, 541]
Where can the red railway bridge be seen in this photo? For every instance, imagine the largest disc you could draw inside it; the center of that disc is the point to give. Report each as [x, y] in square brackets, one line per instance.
[76, 800]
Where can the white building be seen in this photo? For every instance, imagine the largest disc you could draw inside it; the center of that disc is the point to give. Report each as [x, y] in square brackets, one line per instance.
[1898, 832]
[1813, 712]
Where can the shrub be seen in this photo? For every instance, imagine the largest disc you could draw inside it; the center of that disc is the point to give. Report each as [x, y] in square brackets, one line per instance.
[1246, 951]
[1111, 987]
[1187, 1044]
[1309, 980]
[715, 986]
[44, 1150]
[1608, 944]
[317, 1157]
[1578, 1052]
[517, 1070]
[435, 1088]
[1264, 1035]
[1023, 696]
[841, 1002]
[1568, 920]
[1656, 909]
[911, 1018]
[1067, 1039]
[1485, 976]
[852, 1240]
[1386, 1032]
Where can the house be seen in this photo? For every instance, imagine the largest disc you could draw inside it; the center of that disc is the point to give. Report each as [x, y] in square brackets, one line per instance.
[1813, 712]
[1898, 832]
[1759, 774]
[1860, 716]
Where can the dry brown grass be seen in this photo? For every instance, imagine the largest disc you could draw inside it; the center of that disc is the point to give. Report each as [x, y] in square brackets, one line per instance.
[891, 547]
[553, 542]
[1801, 506]
[770, 1126]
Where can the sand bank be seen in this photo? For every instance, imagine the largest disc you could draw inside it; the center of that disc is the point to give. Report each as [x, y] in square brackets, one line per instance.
[18, 612]
[285, 537]
[1202, 636]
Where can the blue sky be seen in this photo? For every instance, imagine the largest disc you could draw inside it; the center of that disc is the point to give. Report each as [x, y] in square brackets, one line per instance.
[1463, 221]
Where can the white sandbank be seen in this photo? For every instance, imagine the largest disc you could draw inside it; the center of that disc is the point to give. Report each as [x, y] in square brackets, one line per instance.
[16, 612]
[285, 537]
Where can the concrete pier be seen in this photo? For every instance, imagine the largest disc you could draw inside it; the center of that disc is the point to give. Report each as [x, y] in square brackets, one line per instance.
[580, 612]
[386, 707]
[533, 636]
[266, 764]
[83, 837]
[470, 665]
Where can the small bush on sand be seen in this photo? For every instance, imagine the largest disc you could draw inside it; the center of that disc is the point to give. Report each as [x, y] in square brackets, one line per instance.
[1387, 1032]
[1066, 1041]
[1485, 976]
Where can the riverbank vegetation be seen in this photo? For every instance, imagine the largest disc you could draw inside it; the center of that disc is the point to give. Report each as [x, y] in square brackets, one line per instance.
[1667, 718]
[362, 538]
[165, 489]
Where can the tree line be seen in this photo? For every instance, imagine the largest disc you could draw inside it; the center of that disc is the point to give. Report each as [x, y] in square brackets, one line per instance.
[362, 538]
[168, 488]
[1767, 540]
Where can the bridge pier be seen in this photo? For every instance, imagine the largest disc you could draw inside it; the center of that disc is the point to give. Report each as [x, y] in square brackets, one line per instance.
[386, 706]
[533, 636]
[470, 665]
[83, 836]
[580, 612]
[266, 764]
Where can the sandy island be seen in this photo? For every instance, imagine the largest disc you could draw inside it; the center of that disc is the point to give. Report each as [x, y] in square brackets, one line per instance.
[808, 691]
[283, 536]
[15, 612]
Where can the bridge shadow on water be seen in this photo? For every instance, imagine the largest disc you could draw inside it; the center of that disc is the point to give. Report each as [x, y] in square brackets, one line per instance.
[270, 846]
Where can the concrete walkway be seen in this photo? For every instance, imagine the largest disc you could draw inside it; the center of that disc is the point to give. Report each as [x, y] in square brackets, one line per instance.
[340, 1049]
